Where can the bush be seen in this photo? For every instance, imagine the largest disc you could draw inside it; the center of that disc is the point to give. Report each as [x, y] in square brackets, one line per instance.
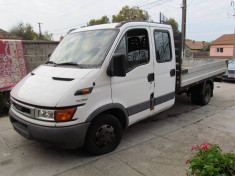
[4, 102]
[209, 160]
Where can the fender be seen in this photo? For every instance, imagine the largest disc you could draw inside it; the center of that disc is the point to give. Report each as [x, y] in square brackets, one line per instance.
[114, 108]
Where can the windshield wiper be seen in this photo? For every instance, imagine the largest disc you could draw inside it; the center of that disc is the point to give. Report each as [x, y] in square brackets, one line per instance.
[50, 62]
[71, 63]
[68, 63]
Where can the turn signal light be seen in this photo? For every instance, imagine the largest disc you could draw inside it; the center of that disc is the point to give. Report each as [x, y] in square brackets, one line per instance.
[86, 91]
[64, 115]
[83, 91]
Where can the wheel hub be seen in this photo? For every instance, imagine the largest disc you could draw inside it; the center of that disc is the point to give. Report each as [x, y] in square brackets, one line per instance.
[105, 136]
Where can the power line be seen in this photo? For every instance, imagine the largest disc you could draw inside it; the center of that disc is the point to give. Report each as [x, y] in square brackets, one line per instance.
[158, 4]
[218, 12]
[214, 31]
[190, 3]
[140, 2]
[150, 3]
[68, 11]
[69, 27]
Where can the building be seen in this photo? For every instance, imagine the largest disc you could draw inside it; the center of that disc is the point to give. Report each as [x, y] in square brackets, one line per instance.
[192, 46]
[7, 35]
[223, 46]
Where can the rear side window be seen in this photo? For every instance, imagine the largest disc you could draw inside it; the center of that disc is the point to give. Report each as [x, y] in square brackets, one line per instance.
[135, 45]
[162, 46]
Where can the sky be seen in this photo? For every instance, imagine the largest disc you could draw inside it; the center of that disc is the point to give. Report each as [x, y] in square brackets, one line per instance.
[206, 19]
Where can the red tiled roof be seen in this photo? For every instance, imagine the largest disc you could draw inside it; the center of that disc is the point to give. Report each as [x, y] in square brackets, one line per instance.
[226, 39]
[195, 45]
[7, 35]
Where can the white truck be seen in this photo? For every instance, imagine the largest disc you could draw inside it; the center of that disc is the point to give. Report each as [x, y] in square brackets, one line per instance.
[102, 79]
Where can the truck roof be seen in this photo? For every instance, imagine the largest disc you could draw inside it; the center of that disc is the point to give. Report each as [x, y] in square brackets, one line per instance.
[120, 25]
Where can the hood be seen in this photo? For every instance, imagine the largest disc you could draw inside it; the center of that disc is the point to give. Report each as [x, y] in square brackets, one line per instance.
[46, 85]
[231, 66]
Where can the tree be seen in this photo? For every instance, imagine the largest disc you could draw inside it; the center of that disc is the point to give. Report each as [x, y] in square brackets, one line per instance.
[46, 36]
[173, 24]
[131, 14]
[102, 20]
[26, 32]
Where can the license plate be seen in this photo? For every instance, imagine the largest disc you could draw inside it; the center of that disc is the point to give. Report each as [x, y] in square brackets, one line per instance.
[231, 76]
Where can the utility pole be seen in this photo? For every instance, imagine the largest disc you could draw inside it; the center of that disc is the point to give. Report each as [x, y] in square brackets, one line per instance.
[232, 4]
[183, 29]
[40, 32]
[163, 18]
[160, 17]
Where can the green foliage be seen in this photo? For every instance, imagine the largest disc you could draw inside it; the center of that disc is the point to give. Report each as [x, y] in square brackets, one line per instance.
[102, 20]
[209, 161]
[4, 102]
[131, 14]
[26, 32]
[173, 24]
[46, 36]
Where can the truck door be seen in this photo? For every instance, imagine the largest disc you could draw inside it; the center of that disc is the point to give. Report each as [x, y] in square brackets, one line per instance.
[134, 90]
[164, 69]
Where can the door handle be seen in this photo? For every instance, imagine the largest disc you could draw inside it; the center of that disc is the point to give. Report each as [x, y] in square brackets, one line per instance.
[150, 77]
[172, 72]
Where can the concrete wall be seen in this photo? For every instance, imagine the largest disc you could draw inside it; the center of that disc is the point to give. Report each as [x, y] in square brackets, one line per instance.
[36, 52]
[201, 54]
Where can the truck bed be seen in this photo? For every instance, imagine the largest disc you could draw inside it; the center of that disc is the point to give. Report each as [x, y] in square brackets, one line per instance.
[194, 70]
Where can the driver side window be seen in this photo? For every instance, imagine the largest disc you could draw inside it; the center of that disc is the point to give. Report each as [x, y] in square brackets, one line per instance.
[135, 45]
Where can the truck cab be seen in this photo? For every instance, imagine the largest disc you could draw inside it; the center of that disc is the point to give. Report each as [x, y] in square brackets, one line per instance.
[98, 81]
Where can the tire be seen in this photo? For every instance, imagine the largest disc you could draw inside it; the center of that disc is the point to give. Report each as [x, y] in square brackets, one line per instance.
[201, 95]
[104, 135]
[206, 96]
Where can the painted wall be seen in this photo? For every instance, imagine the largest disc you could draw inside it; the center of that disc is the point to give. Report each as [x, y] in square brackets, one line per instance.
[227, 50]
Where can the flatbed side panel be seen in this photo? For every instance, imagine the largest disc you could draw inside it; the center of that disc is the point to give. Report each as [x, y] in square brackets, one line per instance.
[201, 72]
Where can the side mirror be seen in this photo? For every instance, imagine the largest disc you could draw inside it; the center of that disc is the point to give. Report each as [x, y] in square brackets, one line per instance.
[49, 55]
[117, 65]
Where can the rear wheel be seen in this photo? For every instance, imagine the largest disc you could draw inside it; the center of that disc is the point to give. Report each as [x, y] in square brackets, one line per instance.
[201, 95]
[206, 96]
[104, 135]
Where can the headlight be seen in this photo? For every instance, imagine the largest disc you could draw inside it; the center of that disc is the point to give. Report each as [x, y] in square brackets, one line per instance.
[56, 115]
[46, 114]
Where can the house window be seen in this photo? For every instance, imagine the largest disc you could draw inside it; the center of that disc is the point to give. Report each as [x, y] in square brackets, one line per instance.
[220, 50]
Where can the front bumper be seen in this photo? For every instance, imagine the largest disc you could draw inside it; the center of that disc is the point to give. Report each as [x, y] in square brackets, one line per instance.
[228, 76]
[63, 137]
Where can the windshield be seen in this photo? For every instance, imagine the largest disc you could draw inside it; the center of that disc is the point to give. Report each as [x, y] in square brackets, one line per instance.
[233, 62]
[85, 49]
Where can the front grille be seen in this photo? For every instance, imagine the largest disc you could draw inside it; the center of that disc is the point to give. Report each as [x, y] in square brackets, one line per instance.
[23, 109]
[231, 71]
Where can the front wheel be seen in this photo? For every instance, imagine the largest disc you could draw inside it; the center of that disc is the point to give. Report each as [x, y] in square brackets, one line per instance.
[104, 135]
